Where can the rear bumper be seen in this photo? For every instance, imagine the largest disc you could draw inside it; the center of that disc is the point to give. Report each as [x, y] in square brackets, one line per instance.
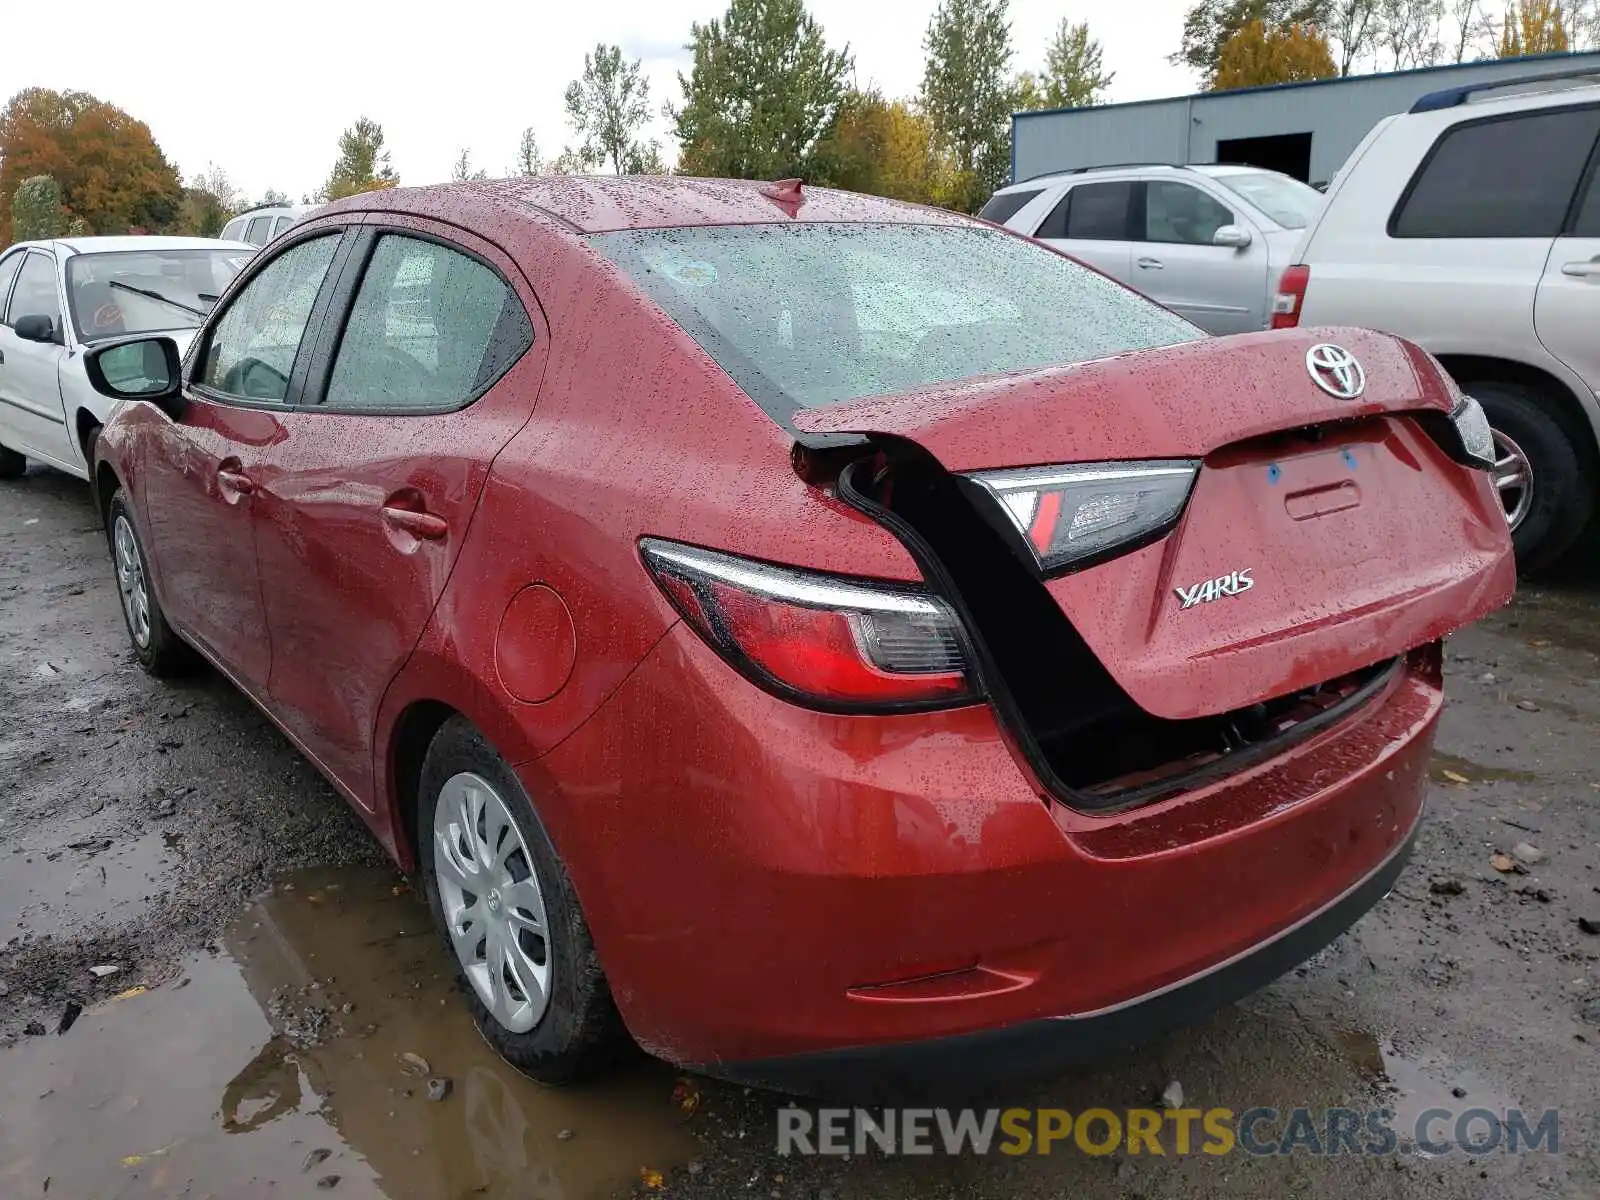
[769, 886]
[1033, 1049]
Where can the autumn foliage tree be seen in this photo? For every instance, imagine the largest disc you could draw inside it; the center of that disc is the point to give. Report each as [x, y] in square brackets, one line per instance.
[1259, 54]
[968, 92]
[112, 176]
[1533, 27]
[885, 148]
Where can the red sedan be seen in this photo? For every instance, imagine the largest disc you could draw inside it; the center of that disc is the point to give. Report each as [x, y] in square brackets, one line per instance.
[807, 633]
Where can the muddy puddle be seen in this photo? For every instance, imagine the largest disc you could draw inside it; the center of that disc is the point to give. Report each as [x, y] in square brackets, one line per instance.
[1450, 768]
[296, 1060]
[83, 881]
[1410, 1085]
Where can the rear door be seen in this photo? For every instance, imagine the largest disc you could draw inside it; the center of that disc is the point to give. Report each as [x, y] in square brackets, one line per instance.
[30, 387]
[1222, 289]
[1567, 309]
[1092, 222]
[364, 497]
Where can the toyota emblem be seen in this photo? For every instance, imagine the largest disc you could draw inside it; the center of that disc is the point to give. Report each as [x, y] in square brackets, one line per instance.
[1336, 371]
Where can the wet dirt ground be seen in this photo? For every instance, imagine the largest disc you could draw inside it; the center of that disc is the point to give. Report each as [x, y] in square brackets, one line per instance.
[211, 983]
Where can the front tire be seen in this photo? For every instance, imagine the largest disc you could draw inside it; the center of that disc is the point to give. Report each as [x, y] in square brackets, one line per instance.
[1548, 494]
[160, 651]
[509, 916]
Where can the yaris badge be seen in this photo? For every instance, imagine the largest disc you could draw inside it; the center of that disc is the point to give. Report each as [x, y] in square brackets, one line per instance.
[1336, 371]
[1230, 584]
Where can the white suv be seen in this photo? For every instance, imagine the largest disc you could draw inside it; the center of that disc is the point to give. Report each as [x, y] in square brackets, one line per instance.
[1471, 225]
[1207, 241]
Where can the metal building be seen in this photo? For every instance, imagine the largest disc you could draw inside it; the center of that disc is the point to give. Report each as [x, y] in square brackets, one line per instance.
[1303, 129]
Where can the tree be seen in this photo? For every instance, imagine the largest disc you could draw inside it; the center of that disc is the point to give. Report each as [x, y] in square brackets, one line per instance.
[1534, 27]
[763, 92]
[110, 172]
[1073, 76]
[1411, 32]
[608, 107]
[1209, 24]
[528, 160]
[885, 148]
[461, 171]
[1352, 28]
[1258, 55]
[36, 210]
[200, 214]
[274, 197]
[214, 180]
[1469, 27]
[967, 93]
[362, 165]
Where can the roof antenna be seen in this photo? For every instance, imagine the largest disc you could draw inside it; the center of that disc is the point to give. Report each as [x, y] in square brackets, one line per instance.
[786, 192]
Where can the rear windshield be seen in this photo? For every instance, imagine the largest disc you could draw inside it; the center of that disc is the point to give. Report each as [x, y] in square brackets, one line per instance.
[807, 315]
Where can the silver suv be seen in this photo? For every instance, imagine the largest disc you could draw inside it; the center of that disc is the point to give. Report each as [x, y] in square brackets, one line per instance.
[258, 226]
[1209, 242]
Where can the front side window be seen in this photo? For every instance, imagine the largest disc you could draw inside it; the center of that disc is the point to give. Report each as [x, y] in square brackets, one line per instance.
[1284, 200]
[9, 266]
[821, 313]
[251, 350]
[1003, 206]
[430, 328]
[35, 294]
[1180, 213]
[1508, 177]
[141, 291]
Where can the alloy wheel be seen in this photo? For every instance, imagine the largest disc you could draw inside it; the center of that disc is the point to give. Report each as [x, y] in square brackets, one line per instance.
[493, 905]
[1513, 478]
[131, 581]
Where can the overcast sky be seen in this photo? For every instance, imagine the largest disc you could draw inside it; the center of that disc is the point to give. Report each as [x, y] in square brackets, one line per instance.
[264, 90]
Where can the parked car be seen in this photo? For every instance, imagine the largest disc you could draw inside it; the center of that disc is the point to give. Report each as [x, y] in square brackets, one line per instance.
[812, 634]
[1208, 242]
[1471, 225]
[258, 226]
[58, 297]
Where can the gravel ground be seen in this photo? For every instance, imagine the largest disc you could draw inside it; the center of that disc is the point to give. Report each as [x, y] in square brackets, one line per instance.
[272, 973]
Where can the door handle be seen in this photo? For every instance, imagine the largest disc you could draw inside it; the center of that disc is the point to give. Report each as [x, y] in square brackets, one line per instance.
[1151, 264]
[1582, 270]
[424, 525]
[236, 482]
[2, 356]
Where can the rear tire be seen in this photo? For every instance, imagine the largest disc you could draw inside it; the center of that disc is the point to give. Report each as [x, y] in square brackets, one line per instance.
[537, 994]
[158, 648]
[1562, 498]
[12, 464]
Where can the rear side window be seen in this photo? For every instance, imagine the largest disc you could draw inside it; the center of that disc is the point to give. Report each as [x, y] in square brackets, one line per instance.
[1507, 177]
[1099, 211]
[431, 329]
[251, 350]
[1585, 225]
[820, 313]
[1003, 206]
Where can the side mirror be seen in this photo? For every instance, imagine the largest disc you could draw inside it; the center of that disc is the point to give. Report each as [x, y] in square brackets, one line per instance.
[138, 368]
[36, 327]
[1235, 237]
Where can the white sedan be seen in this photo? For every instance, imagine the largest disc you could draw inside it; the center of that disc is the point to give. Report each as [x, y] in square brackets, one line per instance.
[59, 297]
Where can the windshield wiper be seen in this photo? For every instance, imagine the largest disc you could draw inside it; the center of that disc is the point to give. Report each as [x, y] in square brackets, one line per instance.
[148, 294]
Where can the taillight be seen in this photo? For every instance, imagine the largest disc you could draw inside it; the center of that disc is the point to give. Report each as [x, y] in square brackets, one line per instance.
[820, 640]
[1071, 515]
[1291, 297]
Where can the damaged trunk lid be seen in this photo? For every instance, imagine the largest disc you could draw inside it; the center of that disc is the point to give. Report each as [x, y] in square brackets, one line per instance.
[1319, 535]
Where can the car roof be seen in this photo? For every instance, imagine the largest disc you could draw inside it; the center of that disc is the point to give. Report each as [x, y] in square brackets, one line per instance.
[103, 245]
[603, 203]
